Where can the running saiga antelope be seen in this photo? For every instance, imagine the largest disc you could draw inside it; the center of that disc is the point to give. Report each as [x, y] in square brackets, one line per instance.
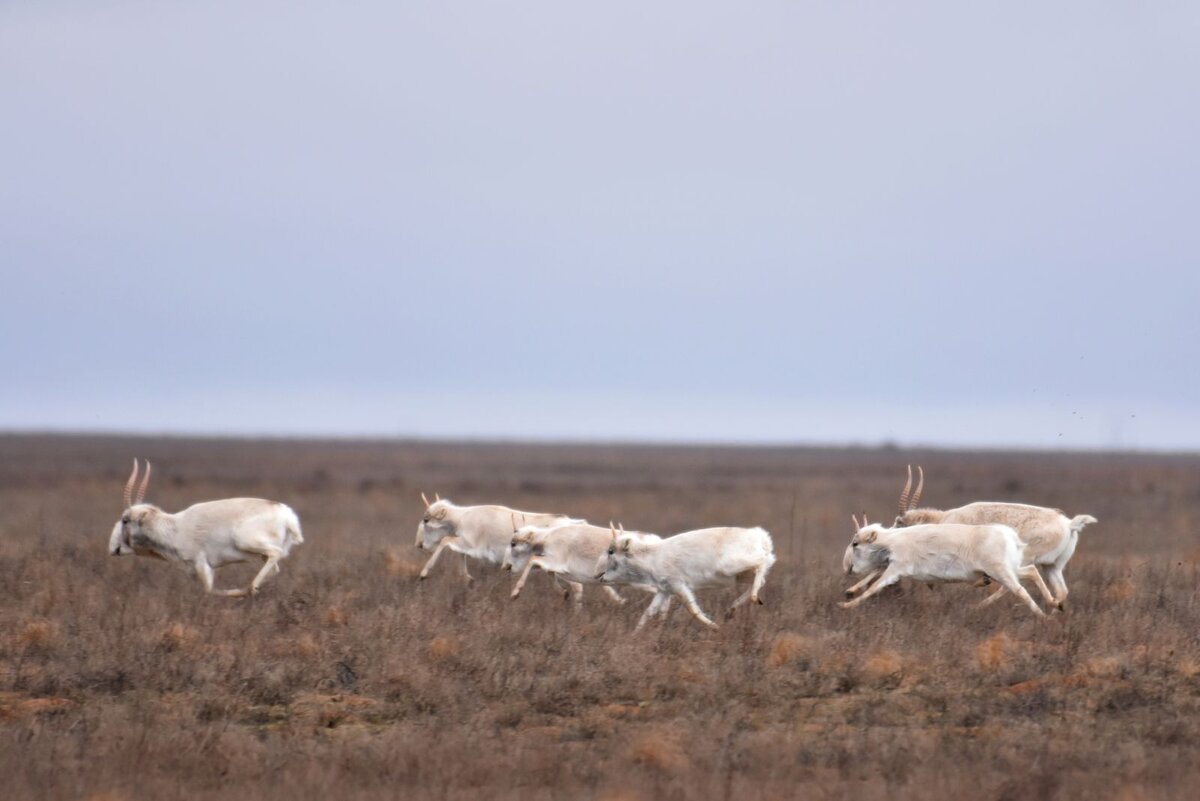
[684, 563]
[207, 535]
[941, 552]
[1049, 537]
[478, 532]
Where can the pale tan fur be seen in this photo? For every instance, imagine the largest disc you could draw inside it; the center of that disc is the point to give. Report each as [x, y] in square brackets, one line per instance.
[941, 552]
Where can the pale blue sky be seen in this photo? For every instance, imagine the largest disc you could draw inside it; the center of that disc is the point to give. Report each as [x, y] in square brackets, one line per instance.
[776, 221]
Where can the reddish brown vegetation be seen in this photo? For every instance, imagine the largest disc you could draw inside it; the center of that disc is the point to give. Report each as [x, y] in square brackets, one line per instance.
[347, 678]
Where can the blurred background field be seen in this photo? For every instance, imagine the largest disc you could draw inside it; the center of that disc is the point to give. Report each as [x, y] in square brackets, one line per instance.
[347, 677]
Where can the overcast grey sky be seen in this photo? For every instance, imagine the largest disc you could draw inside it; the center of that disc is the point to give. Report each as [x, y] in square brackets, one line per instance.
[767, 221]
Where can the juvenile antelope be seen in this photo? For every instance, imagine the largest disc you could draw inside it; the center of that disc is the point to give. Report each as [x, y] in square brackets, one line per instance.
[941, 552]
[567, 552]
[207, 535]
[679, 565]
[477, 532]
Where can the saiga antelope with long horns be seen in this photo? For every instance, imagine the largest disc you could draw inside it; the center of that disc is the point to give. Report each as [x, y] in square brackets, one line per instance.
[208, 535]
[1048, 535]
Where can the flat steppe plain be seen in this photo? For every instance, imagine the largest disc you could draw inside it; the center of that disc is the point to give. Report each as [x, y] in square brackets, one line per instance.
[347, 678]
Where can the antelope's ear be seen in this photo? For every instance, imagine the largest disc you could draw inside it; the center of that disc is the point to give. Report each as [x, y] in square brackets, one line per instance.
[868, 537]
[441, 514]
[625, 545]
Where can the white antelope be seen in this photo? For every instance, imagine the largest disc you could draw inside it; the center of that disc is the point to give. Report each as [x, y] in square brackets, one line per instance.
[941, 552]
[1049, 536]
[567, 552]
[477, 532]
[684, 563]
[207, 535]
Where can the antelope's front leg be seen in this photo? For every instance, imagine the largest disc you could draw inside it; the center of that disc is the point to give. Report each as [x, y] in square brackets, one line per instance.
[443, 545]
[652, 609]
[525, 576]
[852, 591]
[888, 578]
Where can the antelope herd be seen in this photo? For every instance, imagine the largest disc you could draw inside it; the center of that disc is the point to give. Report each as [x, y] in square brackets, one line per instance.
[982, 542]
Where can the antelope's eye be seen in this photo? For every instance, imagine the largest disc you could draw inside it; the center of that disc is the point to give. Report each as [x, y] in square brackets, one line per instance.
[611, 551]
[125, 519]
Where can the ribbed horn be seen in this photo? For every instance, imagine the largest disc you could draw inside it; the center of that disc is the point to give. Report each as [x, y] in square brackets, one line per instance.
[437, 497]
[141, 493]
[857, 525]
[916, 498]
[904, 495]
[427, 503]
[129, 485]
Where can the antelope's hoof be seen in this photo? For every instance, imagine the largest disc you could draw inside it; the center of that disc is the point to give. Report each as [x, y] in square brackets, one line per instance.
[422, 577]
[758, 601]
[845, 604]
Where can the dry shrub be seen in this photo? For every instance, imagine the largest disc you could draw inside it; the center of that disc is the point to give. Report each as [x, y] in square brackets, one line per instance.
[38, 635]
[305, 646]
[789, 647]
[13, 707]
[1105, 667]
[659, 751]
[336, 616]
[178, 636]
[1187, 667]
[620, 795]
[443, 648]
[1120, 591]
[884, 665]
[995, 653]
[1133, 792]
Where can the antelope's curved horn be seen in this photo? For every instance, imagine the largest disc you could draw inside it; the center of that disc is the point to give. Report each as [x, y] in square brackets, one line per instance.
[613, 529]
[427, 503]
[141, 493]
[514, 521]
[437, 498]
[857, 525]
[904, 507]
[128, 496]
[866, 522]
[916, 498]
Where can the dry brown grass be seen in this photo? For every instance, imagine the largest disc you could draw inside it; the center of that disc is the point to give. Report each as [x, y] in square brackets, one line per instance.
[348, 678]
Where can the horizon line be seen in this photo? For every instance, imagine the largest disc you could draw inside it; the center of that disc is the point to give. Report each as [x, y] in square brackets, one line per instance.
[597, 442]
